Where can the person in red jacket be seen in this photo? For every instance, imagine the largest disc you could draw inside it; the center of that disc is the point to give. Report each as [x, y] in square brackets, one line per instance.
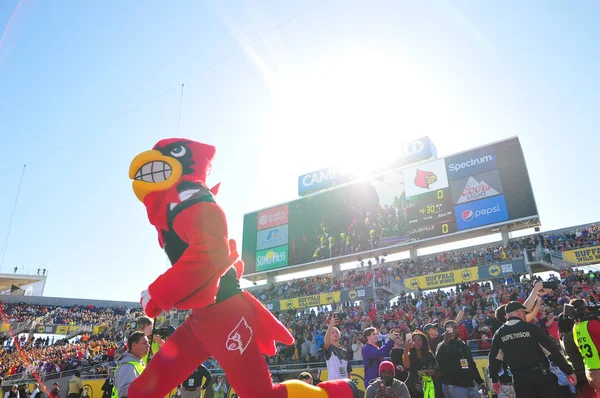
[225, 322]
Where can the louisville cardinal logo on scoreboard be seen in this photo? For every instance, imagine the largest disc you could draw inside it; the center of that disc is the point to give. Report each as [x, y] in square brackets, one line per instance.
[424, 179]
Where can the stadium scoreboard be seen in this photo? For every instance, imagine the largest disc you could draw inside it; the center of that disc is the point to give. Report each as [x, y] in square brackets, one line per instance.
[481, 187]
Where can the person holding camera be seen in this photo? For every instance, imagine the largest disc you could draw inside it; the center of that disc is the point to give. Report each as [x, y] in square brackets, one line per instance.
[156, 336]
[386, 386]
[523, 347]
[586, 334]
[146, 325]
[220, 387]
[421, 365]
[337, 358]
[373, 355]
[456, 365]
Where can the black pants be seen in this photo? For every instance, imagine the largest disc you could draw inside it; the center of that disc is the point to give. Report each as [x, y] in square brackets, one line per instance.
[534, 384]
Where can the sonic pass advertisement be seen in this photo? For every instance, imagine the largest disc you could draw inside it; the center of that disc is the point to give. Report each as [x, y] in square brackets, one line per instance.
[477, 188]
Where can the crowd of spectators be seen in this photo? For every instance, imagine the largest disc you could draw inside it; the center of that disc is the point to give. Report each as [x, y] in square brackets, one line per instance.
[409, 312]
[363, 276]
[23, 312]
[582, 237]
[474, 302]
[90, 315]
[67, 315]
[440, 262]
[45, 357]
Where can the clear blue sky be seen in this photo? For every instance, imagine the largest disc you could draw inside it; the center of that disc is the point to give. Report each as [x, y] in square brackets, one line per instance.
[310, 87]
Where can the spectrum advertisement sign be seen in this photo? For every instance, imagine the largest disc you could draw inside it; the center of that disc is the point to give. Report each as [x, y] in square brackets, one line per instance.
[436, 198]
[471, 163]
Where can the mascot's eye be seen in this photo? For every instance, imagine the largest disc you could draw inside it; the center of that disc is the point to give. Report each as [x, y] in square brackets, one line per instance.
[178, 151]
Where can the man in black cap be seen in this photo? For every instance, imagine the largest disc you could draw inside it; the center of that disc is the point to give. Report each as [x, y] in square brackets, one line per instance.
[456, 364]
[523, 347]
[505, 378]
[433, 334]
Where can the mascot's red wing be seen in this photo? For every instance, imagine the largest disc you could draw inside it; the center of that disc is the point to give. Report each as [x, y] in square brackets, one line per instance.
[193, 281]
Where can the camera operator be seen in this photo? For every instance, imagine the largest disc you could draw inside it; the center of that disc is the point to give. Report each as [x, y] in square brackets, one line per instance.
[586, 334]
[386, 386]
[156, 336]
[523, 347]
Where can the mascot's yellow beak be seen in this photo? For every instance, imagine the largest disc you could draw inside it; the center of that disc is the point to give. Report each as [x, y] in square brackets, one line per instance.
[152, 171]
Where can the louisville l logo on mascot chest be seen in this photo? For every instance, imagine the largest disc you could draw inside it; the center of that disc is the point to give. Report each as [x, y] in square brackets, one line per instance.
[225, 322]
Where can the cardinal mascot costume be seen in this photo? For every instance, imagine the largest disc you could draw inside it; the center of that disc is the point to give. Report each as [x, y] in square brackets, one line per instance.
[225, 322]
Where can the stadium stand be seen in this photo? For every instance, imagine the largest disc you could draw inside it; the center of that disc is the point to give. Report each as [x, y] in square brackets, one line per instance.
[94, 352]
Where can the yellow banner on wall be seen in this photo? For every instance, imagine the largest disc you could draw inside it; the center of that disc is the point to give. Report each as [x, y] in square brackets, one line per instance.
[311, 301]
[99, 329]
[441, 279]
[66, 329]
[588, 255]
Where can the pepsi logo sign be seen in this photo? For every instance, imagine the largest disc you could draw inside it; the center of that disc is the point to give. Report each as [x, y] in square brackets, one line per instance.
[468, 215]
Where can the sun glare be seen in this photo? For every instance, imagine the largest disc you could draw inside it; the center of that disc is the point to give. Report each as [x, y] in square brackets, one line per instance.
[353, 110]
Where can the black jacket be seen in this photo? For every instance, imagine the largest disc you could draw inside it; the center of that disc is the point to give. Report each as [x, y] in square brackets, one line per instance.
[448, 357]
[520, 347]
[195, 379]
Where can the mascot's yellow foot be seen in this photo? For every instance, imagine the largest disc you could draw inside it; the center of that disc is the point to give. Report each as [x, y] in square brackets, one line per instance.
[327, 389]
[300, 389]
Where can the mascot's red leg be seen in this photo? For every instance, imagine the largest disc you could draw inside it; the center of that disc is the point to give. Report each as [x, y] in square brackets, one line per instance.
[231, 332]
[176, 360]
[238, 337]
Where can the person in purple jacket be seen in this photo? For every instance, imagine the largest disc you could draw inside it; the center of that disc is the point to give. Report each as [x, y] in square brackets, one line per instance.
[373, 355]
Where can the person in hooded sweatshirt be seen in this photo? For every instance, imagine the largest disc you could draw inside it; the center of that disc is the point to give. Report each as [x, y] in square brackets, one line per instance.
[131, 364]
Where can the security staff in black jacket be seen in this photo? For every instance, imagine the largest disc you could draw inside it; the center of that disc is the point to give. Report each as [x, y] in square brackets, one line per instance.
[522, 346]
[505, 379]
